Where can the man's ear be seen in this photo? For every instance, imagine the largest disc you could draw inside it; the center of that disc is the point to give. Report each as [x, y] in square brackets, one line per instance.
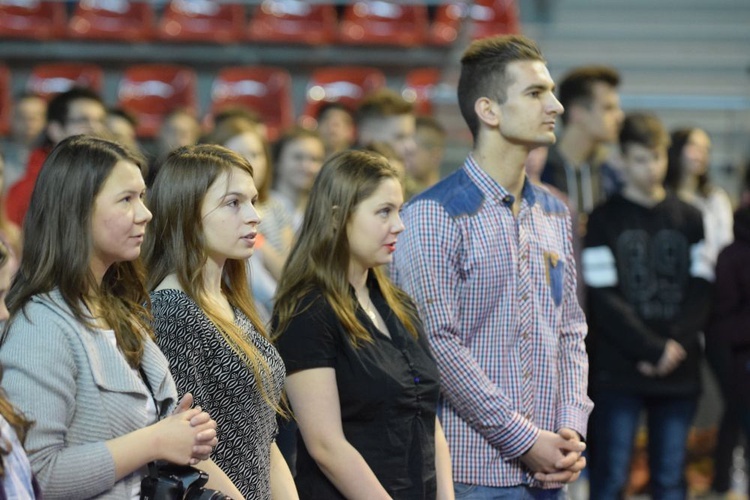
[575, 112]
[487, 111]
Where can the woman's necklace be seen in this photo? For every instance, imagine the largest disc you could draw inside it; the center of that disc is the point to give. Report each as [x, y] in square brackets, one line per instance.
[371, 314]
[368, 307]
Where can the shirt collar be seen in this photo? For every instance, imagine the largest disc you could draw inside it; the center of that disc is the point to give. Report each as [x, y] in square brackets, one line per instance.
[491, 189]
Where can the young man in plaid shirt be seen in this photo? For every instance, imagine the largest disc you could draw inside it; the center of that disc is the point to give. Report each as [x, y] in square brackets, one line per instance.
[488, 257]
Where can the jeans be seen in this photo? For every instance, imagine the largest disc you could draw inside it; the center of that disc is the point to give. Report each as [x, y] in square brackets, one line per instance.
[476, 492]
[615, 427]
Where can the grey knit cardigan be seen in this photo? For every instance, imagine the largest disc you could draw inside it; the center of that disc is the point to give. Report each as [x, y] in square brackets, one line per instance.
[80, 392]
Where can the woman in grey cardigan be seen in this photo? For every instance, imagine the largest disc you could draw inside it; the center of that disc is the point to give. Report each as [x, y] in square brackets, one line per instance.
[77, 345]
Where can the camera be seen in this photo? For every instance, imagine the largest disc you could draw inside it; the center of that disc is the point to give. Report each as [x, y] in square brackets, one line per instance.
[167, 481]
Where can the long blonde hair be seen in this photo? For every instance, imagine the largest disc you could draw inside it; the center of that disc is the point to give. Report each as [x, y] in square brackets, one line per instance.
[320, 257]
[176, 245]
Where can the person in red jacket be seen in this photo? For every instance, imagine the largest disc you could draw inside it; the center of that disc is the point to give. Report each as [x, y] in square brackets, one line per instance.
[77, 111]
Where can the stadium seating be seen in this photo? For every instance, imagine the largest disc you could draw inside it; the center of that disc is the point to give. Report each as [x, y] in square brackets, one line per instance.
[118, 20]
[376, 22]
[265, 90]
[202, 21]
[293, 21]
[48, 80]
[150, 91]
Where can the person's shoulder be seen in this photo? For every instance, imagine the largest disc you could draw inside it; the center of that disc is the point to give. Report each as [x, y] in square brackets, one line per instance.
[678, 206]
[174, 311]
[45, 321]
[550, 203]
[167, 299]
[313, 303]
[457, 194]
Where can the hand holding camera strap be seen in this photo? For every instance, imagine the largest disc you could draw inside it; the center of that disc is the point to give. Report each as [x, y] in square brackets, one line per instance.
[167, 481]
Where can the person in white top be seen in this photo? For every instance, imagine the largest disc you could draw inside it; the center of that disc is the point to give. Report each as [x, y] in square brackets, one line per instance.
[688, 176]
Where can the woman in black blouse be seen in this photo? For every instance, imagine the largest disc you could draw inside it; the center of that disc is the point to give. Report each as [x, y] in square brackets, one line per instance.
[360, 377]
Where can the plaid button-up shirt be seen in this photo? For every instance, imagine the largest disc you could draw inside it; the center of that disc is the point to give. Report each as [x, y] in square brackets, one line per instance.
[497, 294]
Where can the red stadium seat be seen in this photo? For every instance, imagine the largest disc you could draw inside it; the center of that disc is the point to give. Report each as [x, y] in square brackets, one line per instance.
[344, 84]
[119, 20]
[202, 21]
[447, 23]
[32, 19]
[48, 80]
[293, 21]
[267, 91]
[150, 91]
[493, 17]
[4, 99]
[376, 22]
[419, 88]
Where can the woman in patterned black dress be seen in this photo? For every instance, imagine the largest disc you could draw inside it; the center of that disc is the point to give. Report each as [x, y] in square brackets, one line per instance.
[205, 225]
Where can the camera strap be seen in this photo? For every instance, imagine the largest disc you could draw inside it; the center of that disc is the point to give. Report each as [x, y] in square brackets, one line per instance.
[152, 469]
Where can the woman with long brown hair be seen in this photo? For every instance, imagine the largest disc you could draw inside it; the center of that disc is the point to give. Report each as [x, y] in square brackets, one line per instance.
[205, 227]
[77, 351]
[360, 377]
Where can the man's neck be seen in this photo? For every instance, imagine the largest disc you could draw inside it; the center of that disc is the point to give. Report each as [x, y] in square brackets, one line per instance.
[577, 147]
[642, 198]
[504, 162]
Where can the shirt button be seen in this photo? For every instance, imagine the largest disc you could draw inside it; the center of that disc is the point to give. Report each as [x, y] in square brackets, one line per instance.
[526, 375]
[525, 297]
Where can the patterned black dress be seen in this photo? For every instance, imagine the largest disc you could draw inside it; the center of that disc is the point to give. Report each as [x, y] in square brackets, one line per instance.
[203, 363]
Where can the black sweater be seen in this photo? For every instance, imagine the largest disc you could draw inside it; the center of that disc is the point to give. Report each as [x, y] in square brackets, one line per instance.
[648, 289]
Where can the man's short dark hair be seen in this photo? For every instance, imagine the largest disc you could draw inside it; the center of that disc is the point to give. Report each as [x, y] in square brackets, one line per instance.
[382, 103]
[483, 71]
[59, 106]
[577, 86]
[333, 106]
[643, 129]
[124, 114]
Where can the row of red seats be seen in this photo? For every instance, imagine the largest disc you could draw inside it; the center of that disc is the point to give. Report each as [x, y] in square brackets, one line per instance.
[280, 21]
[149, 91]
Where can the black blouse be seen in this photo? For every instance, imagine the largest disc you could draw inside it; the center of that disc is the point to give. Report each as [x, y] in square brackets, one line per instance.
[388, 391]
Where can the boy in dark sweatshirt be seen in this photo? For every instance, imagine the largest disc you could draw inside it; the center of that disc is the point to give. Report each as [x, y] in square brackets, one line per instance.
[649, 293]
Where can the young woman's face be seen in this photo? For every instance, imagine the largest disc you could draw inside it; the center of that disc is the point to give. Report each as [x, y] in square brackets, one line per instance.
[119, 218]
[299, 163]
[374, 225]
[249, 145]
[695, 154]
[229, 217]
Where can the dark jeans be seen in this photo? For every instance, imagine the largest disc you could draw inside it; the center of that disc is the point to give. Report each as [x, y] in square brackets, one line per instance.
[476, 492]
[719, 358]
[615, 427]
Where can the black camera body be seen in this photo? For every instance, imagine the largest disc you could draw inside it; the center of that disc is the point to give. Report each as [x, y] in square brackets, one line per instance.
[167, 481]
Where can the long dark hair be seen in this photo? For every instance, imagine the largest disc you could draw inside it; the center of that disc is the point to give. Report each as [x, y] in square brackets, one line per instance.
[320, 257]
[57, 244]
[675, 168]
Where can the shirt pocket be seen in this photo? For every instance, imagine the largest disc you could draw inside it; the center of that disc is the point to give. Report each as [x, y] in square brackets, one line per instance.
[555, 272]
